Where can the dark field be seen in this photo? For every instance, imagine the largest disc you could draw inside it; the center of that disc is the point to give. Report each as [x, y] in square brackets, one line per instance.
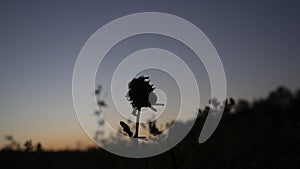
[263, 134]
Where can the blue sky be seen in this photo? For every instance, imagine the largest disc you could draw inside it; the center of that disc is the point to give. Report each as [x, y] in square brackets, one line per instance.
[258, 43]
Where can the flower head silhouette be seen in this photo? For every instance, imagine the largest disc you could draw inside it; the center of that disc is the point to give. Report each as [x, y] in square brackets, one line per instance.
[139, 92]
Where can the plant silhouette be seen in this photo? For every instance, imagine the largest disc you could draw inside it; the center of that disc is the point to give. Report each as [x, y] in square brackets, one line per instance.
[138, 95]
[39, 147]
[153, 128]
[126, 128]
[13, 145]
[99, 113]
[28, 146]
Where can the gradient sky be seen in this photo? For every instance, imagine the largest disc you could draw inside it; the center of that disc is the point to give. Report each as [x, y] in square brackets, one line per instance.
[258, 43]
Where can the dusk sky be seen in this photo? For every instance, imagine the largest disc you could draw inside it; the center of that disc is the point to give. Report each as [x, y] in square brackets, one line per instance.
[257, 41]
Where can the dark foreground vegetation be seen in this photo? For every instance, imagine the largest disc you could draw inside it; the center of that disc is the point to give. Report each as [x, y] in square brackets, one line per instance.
[262, 134]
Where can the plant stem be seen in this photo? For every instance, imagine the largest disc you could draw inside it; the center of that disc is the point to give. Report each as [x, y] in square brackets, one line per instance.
[137, 124]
